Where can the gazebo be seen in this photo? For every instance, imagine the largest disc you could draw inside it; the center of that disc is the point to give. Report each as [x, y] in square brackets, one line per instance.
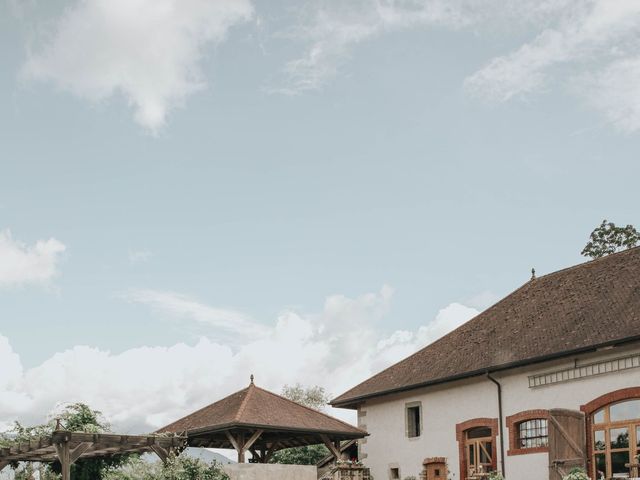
[262, 423]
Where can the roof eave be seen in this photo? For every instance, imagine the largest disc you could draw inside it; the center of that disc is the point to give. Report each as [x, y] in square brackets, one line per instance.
[352, 403]
[357, 433]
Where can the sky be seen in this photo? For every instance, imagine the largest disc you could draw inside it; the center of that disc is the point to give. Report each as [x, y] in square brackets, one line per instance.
[194, 191]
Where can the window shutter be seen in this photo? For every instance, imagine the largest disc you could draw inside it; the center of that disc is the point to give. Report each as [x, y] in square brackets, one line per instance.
[567, 442]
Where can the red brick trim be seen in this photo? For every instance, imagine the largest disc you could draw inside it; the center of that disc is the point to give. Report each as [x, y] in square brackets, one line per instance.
[596, 404]
[461, 428]
[512, 425]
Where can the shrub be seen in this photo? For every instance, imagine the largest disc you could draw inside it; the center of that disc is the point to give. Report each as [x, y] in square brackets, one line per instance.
[577, 474]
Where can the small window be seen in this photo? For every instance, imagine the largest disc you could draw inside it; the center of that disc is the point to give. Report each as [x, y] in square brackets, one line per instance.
[395, 473]
[413, 421]
[533, 433]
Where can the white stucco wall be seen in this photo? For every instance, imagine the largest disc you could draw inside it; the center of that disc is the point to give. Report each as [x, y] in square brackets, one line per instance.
[259, 471]
[446, 405]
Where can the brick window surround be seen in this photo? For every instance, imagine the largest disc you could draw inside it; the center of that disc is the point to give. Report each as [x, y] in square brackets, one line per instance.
[594, 405]
[461, 429]
[513, 423]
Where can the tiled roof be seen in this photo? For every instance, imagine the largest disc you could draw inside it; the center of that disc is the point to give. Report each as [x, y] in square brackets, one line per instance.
[593, 304]
[256, 407]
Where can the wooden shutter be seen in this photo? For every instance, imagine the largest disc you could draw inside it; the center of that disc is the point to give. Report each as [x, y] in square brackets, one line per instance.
[567, 442]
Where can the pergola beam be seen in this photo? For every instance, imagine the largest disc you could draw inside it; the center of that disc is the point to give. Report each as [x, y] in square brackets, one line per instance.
[68, 447]
[77, 452]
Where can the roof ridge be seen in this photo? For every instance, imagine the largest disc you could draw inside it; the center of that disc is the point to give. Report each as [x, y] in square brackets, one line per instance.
[310, 409]
[589, 262]
[244, 402]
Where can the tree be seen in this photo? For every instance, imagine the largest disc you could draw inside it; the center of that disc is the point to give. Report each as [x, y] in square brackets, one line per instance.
[608, 238]
[76, 417]
[313, 397]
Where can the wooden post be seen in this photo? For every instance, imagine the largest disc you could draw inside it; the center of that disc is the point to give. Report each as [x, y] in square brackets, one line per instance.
[62, 449]
[330, 445]
[241, 445]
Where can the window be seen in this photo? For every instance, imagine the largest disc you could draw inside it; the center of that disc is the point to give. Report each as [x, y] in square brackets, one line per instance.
[528, 432]
[615, 436]
[394, 472]
[414, 419]
[533, 433]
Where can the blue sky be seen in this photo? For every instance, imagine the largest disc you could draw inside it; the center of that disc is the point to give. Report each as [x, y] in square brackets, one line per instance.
[211, 183]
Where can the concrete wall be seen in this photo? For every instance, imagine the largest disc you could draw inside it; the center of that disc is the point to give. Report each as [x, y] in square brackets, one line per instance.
[258, 471]
[446, 405]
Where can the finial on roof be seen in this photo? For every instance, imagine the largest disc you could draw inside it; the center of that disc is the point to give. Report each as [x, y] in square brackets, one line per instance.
[251, 379]
[533, 274]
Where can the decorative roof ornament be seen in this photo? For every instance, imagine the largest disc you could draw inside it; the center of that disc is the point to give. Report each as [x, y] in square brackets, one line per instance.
[533, 274]
[251, 377]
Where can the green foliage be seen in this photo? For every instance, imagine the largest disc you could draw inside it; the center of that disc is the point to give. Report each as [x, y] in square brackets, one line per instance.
[577, 474]
[177, 468]
[308, 455]
[77, 417]
[608, 238]
[495, 476]
[313, 397]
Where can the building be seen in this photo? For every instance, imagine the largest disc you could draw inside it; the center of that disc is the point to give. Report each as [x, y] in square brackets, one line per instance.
[546, 379]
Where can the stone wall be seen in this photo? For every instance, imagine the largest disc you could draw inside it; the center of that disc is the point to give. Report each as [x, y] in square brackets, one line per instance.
[258, 471]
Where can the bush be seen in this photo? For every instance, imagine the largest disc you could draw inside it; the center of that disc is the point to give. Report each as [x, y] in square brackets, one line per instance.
[177, 468]
[577, 474]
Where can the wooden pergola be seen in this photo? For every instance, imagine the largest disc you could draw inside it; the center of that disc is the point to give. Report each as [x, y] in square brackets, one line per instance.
[260, 422]
[68, 447]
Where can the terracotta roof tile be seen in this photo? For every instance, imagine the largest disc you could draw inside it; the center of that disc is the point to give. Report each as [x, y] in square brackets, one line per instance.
[579, 308]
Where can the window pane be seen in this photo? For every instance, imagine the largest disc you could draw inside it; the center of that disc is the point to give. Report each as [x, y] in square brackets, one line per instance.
[625, 410]
[485, 452]
[533, 433]
[479, 432]
[472, 454]
[638, 435]
[601, 466]
[619, 437]
[618, 460]
[413, 421]
[598, 417]
[599, 441]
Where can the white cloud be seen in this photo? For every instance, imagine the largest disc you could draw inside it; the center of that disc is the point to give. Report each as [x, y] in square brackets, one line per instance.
[336, 348]
[571, 40]
[334, 27]
[22, 264]
[182, 306]
[149, 51]
[616, 92]
[139, 256]
[585, 31]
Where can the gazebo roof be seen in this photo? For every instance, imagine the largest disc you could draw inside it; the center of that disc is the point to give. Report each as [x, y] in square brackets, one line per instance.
[254, 407]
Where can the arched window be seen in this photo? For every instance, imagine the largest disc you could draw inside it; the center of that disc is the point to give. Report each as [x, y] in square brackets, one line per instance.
[528, 432]
[615, 437]
[533, 433]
